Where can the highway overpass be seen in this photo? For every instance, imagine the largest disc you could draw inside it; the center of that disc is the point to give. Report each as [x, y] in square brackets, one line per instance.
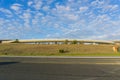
[5, 41]
[65, 41]
[59, 41]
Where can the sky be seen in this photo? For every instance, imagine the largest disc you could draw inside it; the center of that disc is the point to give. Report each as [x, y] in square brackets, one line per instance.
[60, 19]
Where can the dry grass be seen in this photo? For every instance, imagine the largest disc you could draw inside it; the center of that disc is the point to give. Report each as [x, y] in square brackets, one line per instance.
[37, 49]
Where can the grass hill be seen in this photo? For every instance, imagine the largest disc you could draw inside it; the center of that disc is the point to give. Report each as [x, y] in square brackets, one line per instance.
[48, 50]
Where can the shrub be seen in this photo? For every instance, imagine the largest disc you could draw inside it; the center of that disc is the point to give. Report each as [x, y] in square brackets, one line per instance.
[16, 41]
[74, 42]
[66, 42]
[61, 51]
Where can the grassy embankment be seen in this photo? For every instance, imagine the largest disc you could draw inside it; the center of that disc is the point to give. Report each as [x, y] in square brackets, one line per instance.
[54, 50]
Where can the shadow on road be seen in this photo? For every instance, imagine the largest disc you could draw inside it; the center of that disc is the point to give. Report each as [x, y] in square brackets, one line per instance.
[7, 63]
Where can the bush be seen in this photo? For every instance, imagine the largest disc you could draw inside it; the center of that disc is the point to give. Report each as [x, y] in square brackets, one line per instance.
[74, 42]
[16, 41]
[66, 42]
[61, 51]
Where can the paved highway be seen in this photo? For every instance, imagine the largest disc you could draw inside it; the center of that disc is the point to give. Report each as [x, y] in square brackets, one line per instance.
[55, 68]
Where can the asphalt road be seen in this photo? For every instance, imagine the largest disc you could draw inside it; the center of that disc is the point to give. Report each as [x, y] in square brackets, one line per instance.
[41, 68]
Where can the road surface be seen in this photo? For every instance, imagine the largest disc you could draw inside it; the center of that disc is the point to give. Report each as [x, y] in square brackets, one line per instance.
[52, 68]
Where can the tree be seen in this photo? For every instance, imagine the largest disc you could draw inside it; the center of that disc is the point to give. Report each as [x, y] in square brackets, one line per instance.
[16, 41]
[66, 41]
[74, 42]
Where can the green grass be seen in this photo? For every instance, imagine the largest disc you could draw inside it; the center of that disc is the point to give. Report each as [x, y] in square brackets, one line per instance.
[53, 50]
[44, 54]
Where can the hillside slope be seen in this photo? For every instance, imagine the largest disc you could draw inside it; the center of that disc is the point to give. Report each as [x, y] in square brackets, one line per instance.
[37, 49]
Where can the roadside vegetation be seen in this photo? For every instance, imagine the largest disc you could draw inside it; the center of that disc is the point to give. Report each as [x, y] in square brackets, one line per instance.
[16, 41]
[18, 49]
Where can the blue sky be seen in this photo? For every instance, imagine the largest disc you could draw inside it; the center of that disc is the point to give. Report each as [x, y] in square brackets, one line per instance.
[61, 19]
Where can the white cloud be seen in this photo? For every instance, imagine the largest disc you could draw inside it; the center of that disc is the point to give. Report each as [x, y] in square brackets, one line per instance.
[71, 16]
[37, 4]
[26, 18]
[62, 8]
[112, 7]
[1, 22]
[111, 36]
[16, 7]
[11, 31]
[98, 19]
[37, 18]
[83, 9]
[64, 13]
[26, 15]
[50, 1]
[7, 12]
[45, 8]
[98, 3]
[30, 3]
[104, 6]
[103, 17]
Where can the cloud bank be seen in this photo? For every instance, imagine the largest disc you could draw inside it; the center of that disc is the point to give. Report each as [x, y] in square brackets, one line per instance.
[62, 19]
